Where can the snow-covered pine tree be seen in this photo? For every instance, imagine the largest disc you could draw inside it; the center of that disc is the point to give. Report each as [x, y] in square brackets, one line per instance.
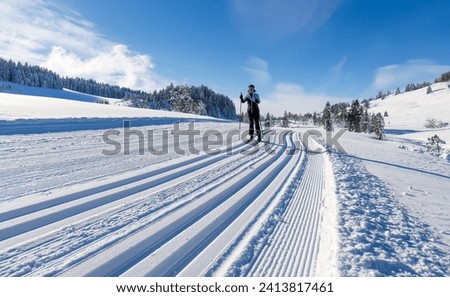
[182, 101]
[435, 145]
[380, 95]
[444, 77]
[316, 119]
[327, 117]
[378, 126]
[285, 120]
[349, 121]
[354, 117]
[365, 103]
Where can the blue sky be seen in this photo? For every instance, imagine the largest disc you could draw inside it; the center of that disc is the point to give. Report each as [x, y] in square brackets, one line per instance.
[298, 53]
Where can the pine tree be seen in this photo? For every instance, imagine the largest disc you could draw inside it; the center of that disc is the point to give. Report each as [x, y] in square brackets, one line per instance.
[435, 145]
[410, 87]
[285, 120]
[182, 101]
[429, 90]
[378, 126]
[327, 118]
[380, 95]
[354, 117]
[365, 103]
[445, 77]
[315, 119]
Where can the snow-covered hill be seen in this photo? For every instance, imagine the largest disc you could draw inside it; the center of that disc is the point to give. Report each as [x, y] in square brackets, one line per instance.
[25, 109]
[13, 88]
[408, 113]
[25, 102]
[410, 110]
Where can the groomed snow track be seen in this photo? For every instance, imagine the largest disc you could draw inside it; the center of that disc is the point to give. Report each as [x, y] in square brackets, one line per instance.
[248, 210]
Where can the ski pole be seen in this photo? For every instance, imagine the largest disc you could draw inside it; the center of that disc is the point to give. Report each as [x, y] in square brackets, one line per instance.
[260, 128]
[240, 116]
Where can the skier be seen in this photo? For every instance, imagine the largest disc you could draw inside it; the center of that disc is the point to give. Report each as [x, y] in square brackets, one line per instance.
[252, 100]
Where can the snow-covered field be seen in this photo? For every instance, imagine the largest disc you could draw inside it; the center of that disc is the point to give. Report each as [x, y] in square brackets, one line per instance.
[26, 110]
[394, 209]
[212, 205]
[409, 112]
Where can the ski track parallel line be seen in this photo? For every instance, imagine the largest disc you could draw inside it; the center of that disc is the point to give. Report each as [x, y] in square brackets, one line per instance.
[200, 265]
[306, 248]
[178, 252]
[41, 218]
[160, 232]
[85, 249]
[12, 210]
[259, 237]
[297, 234]
[269, 267]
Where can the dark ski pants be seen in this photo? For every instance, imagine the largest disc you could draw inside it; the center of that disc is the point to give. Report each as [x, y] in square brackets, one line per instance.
[254, 124]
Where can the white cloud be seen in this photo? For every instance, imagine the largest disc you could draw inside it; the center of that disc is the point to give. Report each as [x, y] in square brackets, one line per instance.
[44, 33]
[258, 69]
[293, 98]
[116, 65]
[275, 19]
[413, 71]
[336, 70]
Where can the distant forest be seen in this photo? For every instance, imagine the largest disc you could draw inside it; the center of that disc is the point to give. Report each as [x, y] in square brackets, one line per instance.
[189, 99]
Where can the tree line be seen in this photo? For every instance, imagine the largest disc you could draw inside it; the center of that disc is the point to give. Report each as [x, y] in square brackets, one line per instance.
[189, 99]
[355, 118]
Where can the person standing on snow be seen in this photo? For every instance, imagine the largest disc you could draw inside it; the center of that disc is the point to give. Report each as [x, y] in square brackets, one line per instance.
[253, 101]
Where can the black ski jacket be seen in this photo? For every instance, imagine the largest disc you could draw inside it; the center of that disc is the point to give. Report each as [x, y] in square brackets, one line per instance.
[252, 103]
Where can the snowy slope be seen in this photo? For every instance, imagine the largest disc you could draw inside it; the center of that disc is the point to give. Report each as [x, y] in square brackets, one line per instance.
[13, 88]
[13, 106]
[28, 110]
[410, 110]
[24, 102]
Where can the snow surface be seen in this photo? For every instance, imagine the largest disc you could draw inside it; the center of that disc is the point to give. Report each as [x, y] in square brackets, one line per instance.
[278, 208]
[410, 110]
[26, 110]
[394, 209]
